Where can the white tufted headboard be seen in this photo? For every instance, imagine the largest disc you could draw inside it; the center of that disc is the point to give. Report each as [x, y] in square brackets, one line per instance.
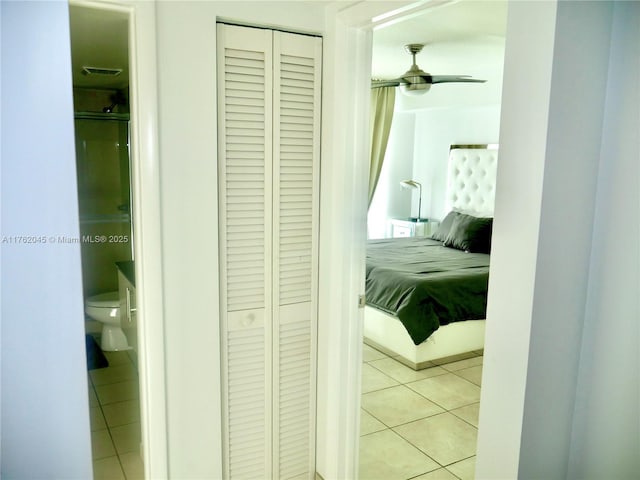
[471, 179]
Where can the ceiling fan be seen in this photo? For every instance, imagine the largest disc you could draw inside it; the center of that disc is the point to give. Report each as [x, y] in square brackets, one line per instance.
[416, 81]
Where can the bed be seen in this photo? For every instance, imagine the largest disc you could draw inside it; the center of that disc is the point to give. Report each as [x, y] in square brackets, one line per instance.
[426, 297]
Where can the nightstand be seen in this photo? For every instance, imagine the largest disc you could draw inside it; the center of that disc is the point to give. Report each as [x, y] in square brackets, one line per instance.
[412, 227]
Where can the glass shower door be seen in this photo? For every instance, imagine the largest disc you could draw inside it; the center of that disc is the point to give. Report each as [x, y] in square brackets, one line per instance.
[104, 198]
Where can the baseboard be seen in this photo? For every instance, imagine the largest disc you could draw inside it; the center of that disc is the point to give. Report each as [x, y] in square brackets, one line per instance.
[422, 365]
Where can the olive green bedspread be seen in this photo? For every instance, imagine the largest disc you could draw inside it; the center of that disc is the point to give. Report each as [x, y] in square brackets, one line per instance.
[425, 284]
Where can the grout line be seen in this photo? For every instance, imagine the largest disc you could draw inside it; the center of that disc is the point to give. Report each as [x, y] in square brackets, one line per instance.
[420, 450]
[412, 381]
[446, 410]
[101, 405]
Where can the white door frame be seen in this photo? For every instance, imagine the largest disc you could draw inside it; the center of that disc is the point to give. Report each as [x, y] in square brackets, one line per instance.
[343, 209]
[146, 212]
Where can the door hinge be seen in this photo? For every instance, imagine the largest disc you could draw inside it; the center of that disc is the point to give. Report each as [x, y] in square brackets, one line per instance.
[362, 301]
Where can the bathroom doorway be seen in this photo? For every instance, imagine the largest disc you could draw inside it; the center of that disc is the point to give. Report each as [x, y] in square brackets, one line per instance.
[113, 60]
[106, 243]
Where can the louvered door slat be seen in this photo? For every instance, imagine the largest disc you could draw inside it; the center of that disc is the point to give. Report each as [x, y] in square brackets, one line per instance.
[245, 178]
[295, 416]
[246, 402]
[296, 153]
[268, 90]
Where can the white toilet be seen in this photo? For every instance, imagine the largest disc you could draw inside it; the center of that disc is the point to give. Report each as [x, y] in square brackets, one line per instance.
[105, 308]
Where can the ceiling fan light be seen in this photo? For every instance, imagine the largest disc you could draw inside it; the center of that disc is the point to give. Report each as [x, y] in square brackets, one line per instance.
[415, 89]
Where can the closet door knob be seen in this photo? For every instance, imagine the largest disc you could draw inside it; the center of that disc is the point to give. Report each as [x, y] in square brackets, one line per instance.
[248, 320]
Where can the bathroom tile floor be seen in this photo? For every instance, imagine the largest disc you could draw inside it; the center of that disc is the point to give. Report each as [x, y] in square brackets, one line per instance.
[115, 419]
[419, 424]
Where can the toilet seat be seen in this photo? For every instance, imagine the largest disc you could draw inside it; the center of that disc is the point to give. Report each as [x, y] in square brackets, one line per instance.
[104, 300]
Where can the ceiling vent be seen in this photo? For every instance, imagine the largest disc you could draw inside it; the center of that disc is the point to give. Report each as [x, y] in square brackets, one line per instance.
[108, 72]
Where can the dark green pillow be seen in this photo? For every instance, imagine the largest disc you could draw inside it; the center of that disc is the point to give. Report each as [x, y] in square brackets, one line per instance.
[471, 234]
[445, 225]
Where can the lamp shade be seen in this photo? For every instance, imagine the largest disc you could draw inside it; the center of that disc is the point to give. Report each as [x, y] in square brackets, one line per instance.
[413, 185]
[410, 184]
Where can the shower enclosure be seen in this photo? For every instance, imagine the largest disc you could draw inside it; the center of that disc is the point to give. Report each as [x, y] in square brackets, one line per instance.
[104, 197]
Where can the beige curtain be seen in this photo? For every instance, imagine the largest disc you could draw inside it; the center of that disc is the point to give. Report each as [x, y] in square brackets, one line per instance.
[382, 103]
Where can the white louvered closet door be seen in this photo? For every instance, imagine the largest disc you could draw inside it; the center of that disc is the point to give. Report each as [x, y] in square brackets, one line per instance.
[268, 109]
[296, 152]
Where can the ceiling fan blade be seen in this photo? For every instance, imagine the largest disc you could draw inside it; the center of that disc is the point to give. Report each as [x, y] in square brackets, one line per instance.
[454, 78]
[385, 83]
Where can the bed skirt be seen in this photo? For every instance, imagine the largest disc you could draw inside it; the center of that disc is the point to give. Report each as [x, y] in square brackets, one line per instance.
[455, 341]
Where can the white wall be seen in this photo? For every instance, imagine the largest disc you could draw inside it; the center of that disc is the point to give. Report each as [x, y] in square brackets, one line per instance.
[542, 393]
[389, 199]
[188, 146]
[187, 132]
[606, 421]
[418, 149]
[45, 405]
[436, 130]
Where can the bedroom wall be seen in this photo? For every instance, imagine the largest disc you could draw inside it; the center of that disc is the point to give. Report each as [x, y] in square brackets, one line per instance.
[435, 131]
[418, 149]
[389, 199]
[187, 124]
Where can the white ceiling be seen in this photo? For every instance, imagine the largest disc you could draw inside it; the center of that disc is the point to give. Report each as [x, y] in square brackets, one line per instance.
[463, 37]
[447, 29]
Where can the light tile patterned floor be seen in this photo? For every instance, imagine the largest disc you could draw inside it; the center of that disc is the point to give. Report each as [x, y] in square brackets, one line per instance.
[419, 424]
[115, 420]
